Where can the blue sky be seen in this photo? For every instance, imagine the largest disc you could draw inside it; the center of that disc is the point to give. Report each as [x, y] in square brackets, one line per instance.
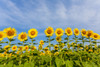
[39, 14]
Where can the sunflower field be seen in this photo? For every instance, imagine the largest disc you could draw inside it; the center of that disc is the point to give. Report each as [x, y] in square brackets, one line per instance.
[73, 48]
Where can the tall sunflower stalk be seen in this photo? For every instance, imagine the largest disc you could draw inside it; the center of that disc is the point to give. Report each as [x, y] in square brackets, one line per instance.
[10, 33]
[49, 32]
[76, 33]
[32, 33]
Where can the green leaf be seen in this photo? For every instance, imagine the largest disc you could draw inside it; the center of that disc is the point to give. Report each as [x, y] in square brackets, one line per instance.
[69, 63]
[59, 62]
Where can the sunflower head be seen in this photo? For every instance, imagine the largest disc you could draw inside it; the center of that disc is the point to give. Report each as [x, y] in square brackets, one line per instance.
[2, 35]
[83, 32]
[59, 32]
[2, 55]
[49, 31]
[68, 31]
[95, 36]
[90, 50]
[86, 46]
[76, 32]
[47, 52]
[40, 47]
[56, 53]
[33, 48]
[58, 39]
[10, 32]
[14, 48]
[21, 48]
[26, 48]
[32, 33]
[42, 53]
[89, 34]
[7, 47]
[41, 42]
[46, 49]
[56, 47]
[62, 45]
[22, 36]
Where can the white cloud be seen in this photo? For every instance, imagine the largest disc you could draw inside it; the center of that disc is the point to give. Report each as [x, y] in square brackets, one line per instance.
[79, 13]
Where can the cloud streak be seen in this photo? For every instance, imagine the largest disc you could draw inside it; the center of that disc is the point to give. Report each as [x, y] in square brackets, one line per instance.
[36, 14]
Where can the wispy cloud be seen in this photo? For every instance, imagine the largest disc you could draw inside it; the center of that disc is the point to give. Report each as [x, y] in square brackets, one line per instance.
[44, 13]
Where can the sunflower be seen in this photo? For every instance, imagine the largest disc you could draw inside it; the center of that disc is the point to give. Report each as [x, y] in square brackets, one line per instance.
[14, 48]
[76, 32]
[95, 36]
[7, 47]
[56, 53]
[68, 46]
[86, 47]
[83, 32]
[22, 36]
[32, 33]
[68, 31]
[10, 32]
[2, 55]
[90, 50]
[95, 46]
[89, 34]
[58, 39]
[17, 52]
[46, 49]
[49, 31]
[33, 48]
[59, 32]
[41, 42]
[42, 53]
[62, 45]
[2, 35]
[48, 53]
[56, 47]
[26, 47]
[20, 48]
[40, 47]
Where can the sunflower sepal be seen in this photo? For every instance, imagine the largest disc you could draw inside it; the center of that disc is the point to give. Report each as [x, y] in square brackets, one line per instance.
[19, 43]
[12, 39]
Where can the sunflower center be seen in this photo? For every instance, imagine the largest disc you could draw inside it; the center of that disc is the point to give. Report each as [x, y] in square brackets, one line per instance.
[68, 31]
[42, 42]
[10, 33]
[89, 33]
[76, 31]
[58, 38]
[32, 32]
[59, 32]
[95, 36]
[84, 32]
[20, 48]
[26, 48]
[33, 48]
[14, 47]
[49, 31]
[0, 35]
[23, 36]
[56, 46]
[46, 49]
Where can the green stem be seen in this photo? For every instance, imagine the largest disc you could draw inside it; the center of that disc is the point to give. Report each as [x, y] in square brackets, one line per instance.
[32, 42]
[83, 40]
[9, 42]
[90, 42]
[50, 50]
[76, 40]
[68, 42]
[49, 44]
[23, 43]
